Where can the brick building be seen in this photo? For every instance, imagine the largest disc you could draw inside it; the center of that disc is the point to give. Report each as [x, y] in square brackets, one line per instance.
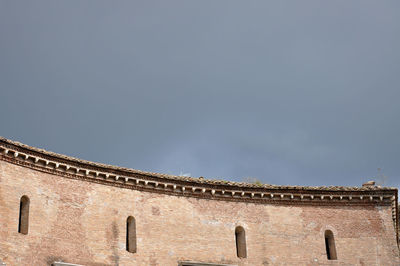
[59, 210]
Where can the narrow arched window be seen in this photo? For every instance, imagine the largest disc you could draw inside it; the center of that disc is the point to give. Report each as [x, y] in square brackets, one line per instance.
[330, 245]
[131, 234]
[23, 223]
[240, 237]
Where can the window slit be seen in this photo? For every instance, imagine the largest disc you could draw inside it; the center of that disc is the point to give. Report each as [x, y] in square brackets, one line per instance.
[23, 221]
[131, 234]
[328, 252]
[330, 245]
[240, 237]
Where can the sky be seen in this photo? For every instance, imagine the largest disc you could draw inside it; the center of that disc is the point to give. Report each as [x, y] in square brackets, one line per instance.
[288, 92]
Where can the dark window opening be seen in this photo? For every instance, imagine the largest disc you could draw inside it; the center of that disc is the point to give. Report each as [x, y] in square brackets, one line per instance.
[330, 245]
[240, 237]
[328, 252]
[23, 223]
[131, 234]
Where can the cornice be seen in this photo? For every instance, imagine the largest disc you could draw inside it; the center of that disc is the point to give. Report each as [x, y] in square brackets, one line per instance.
[62, 165]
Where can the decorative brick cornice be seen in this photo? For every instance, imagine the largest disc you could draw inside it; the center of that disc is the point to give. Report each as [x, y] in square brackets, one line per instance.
[61, 165]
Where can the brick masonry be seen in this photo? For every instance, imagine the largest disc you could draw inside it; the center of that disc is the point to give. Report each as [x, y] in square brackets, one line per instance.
[84, 223]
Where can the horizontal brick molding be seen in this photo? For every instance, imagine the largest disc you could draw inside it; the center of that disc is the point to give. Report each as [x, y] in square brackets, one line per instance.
[198, 187]
[64, 264]
[195, 263]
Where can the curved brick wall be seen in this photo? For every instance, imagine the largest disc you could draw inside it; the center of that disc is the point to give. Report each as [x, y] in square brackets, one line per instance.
[78, 212]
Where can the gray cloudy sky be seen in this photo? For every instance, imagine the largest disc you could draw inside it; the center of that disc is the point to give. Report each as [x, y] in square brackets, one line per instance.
[291, 92]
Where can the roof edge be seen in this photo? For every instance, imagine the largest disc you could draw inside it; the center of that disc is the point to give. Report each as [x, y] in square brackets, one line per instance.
[21, 148]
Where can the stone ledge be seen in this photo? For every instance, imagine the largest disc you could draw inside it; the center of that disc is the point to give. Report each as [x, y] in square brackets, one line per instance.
[56, 263]
[195, 263]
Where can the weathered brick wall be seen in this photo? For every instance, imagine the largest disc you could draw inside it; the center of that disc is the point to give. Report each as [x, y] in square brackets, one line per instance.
[85, 223]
